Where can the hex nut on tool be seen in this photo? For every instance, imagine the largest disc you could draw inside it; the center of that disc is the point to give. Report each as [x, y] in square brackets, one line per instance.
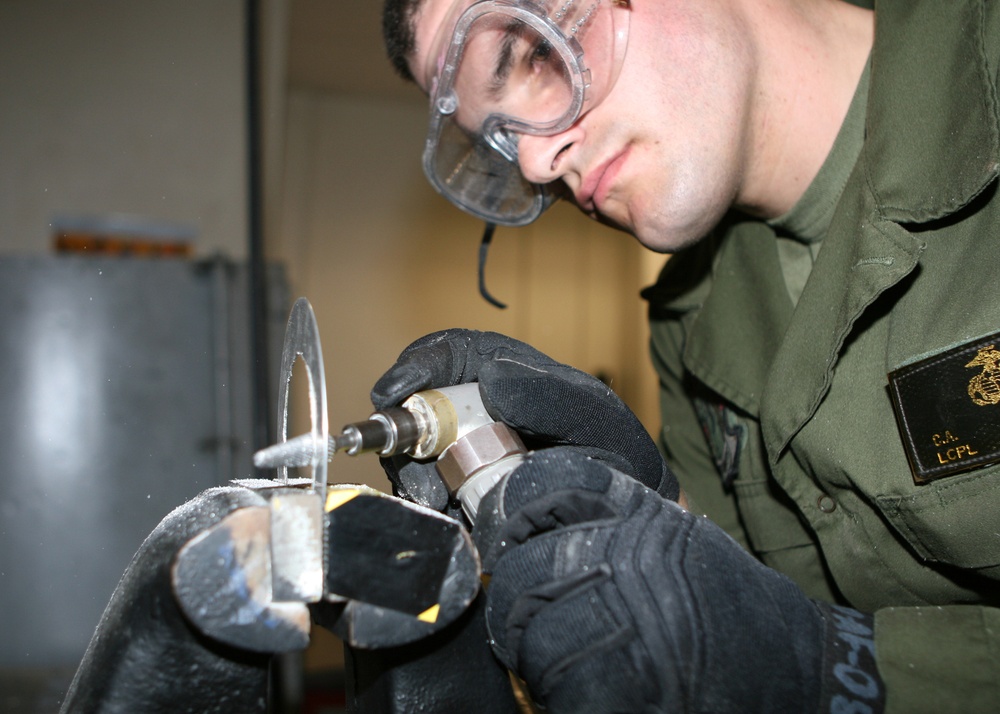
[479, 449]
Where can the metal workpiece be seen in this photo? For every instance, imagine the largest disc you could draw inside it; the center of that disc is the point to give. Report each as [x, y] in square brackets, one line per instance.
[403, 571]
[247, 580]
[297, 551]
[376, 570]
[223, 581]
[302, 341]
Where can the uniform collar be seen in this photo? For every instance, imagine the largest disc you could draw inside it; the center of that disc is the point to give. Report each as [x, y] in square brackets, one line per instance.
[937, 161]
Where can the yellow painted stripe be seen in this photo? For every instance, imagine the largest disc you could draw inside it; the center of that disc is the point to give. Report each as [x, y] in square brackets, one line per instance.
[430, 614]
[337, 497]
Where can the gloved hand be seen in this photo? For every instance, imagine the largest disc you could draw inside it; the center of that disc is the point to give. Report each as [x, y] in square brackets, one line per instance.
[546, 402]
[606, 597]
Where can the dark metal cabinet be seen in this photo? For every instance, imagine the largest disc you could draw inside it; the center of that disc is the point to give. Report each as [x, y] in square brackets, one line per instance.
[125, 389]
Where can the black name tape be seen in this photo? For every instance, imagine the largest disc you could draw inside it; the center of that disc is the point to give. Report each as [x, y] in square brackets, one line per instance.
[948, 409]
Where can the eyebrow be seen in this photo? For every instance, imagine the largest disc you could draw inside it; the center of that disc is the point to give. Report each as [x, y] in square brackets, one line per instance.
[504, 64]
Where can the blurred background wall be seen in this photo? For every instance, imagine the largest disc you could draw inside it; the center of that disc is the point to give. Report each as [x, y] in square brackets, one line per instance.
[110, 107]
[196, 133]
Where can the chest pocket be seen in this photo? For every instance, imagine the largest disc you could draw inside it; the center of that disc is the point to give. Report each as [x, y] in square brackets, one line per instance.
[773, 523]
[771, 519]
[955, 520]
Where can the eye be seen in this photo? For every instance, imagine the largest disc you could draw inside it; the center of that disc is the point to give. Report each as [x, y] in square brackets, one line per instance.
[542, 52]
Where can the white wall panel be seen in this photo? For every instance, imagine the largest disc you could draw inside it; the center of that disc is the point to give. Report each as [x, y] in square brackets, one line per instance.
[112, 107]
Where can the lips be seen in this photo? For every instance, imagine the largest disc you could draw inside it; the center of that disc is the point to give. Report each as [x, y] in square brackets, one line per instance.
[598, 183]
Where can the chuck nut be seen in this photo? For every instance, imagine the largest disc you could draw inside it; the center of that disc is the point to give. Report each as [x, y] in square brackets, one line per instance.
[477, 450]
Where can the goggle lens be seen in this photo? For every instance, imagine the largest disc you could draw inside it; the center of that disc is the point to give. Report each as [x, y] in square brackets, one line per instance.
[508, 68]
[515, 67]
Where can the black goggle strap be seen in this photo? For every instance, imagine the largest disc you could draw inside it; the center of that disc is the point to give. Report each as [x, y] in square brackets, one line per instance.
[484, 247]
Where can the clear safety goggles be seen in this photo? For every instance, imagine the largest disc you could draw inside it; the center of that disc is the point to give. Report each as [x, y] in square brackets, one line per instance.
[504, 68]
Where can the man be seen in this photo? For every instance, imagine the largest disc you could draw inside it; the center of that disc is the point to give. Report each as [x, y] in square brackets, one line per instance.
[826, 174]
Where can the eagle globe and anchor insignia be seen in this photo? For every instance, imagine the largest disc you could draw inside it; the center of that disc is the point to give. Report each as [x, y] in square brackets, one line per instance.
[984, 388]
[943, 409]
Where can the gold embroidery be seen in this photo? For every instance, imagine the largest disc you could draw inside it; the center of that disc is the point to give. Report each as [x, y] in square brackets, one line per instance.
[984, 388]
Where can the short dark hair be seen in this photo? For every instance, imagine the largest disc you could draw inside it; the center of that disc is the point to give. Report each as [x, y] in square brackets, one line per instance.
[399, 34]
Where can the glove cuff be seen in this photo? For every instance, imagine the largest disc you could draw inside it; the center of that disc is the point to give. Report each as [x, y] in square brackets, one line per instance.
[849, 677]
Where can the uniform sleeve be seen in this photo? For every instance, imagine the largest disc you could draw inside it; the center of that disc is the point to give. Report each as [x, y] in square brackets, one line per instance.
[939, 659]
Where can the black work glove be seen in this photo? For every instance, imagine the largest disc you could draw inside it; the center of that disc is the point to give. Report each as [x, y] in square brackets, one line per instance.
[606, 597]
[546, 402]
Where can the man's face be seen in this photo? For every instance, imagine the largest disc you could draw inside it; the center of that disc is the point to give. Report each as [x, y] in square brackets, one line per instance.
[664, 155]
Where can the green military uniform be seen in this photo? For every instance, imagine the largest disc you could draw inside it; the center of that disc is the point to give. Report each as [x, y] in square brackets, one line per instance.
[775, 341]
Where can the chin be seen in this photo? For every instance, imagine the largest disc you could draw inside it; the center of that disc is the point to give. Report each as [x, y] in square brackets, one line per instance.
[666, 239]
[656, 240]
[657, 234]
[667, 231]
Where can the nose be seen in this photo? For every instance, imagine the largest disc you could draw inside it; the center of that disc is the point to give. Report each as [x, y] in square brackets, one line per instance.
[544, 159]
